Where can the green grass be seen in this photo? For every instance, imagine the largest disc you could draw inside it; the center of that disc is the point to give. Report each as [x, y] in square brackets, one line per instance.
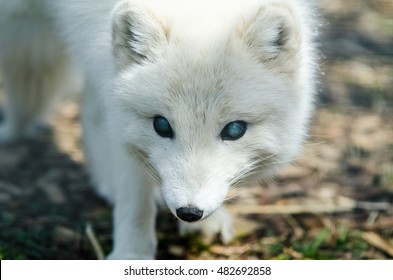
[311, 249]
[351, 240]
[323, 245]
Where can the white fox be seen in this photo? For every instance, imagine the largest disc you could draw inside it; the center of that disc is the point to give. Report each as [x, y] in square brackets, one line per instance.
[190, 97]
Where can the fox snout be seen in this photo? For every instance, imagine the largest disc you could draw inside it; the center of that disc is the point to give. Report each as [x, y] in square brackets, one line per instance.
[189, 214]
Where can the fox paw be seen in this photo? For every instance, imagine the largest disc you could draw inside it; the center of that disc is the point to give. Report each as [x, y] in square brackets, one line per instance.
[218, 224]
[128, 256]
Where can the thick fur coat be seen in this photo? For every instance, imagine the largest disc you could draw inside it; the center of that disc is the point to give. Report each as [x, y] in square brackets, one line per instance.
[190, 98]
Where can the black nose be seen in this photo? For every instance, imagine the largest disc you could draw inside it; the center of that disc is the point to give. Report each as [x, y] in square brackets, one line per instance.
[189, 214]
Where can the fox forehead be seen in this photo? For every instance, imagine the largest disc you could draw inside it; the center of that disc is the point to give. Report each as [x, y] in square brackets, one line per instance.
[215, 86]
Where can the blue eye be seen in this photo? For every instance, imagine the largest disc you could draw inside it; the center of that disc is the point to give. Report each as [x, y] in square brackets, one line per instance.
[162, 127]
[234, 130]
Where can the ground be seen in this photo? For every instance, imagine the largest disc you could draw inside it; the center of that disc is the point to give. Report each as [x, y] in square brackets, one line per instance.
[335, 202]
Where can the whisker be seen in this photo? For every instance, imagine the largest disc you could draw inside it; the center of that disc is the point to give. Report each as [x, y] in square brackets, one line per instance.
[315, 143]
[294, 161]
[149, 167]
[250, 169]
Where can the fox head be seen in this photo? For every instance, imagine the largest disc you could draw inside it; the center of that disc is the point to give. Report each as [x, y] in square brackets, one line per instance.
[211, 98]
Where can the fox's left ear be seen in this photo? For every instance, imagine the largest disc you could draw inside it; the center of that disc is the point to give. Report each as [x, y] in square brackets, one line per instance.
[272, 34]
[137, 34]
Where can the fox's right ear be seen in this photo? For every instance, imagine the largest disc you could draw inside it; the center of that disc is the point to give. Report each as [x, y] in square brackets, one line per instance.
[272, 34]
[137, 34]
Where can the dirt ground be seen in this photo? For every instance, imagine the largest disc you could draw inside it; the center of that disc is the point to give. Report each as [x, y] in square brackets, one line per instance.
[335, 202]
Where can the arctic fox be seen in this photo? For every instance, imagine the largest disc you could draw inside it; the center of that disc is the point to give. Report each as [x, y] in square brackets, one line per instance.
[188, 97]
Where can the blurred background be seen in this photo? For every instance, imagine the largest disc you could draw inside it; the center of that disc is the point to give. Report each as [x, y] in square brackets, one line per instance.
[334, 202]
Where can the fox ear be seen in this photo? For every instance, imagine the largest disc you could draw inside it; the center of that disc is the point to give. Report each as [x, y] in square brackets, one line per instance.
[137, 35]
[272, 35]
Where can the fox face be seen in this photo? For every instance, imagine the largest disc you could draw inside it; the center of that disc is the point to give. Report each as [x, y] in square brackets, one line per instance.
[206, 113]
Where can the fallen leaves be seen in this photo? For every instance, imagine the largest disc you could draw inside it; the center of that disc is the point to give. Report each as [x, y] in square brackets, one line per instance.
[378, 242]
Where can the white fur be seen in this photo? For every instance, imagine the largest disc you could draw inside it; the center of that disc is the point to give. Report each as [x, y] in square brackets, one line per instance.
[199, 63]
[219, 223]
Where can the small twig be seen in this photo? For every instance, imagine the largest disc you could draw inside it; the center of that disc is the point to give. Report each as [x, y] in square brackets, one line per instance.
[378, 242]
[380, 223]
[342, 204]
[372, 218]
[373, 206]
[94, 242]
[329, 224]
[294, 254]
[297, 229]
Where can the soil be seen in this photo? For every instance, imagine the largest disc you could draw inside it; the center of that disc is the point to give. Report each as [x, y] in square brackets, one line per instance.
[334, 202]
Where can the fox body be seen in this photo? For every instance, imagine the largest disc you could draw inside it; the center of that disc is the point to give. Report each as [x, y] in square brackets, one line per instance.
[191, 98]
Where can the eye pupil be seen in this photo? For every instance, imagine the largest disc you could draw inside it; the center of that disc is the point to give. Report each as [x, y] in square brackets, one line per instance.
[162, 127]
[163, 124]
[234, 130]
